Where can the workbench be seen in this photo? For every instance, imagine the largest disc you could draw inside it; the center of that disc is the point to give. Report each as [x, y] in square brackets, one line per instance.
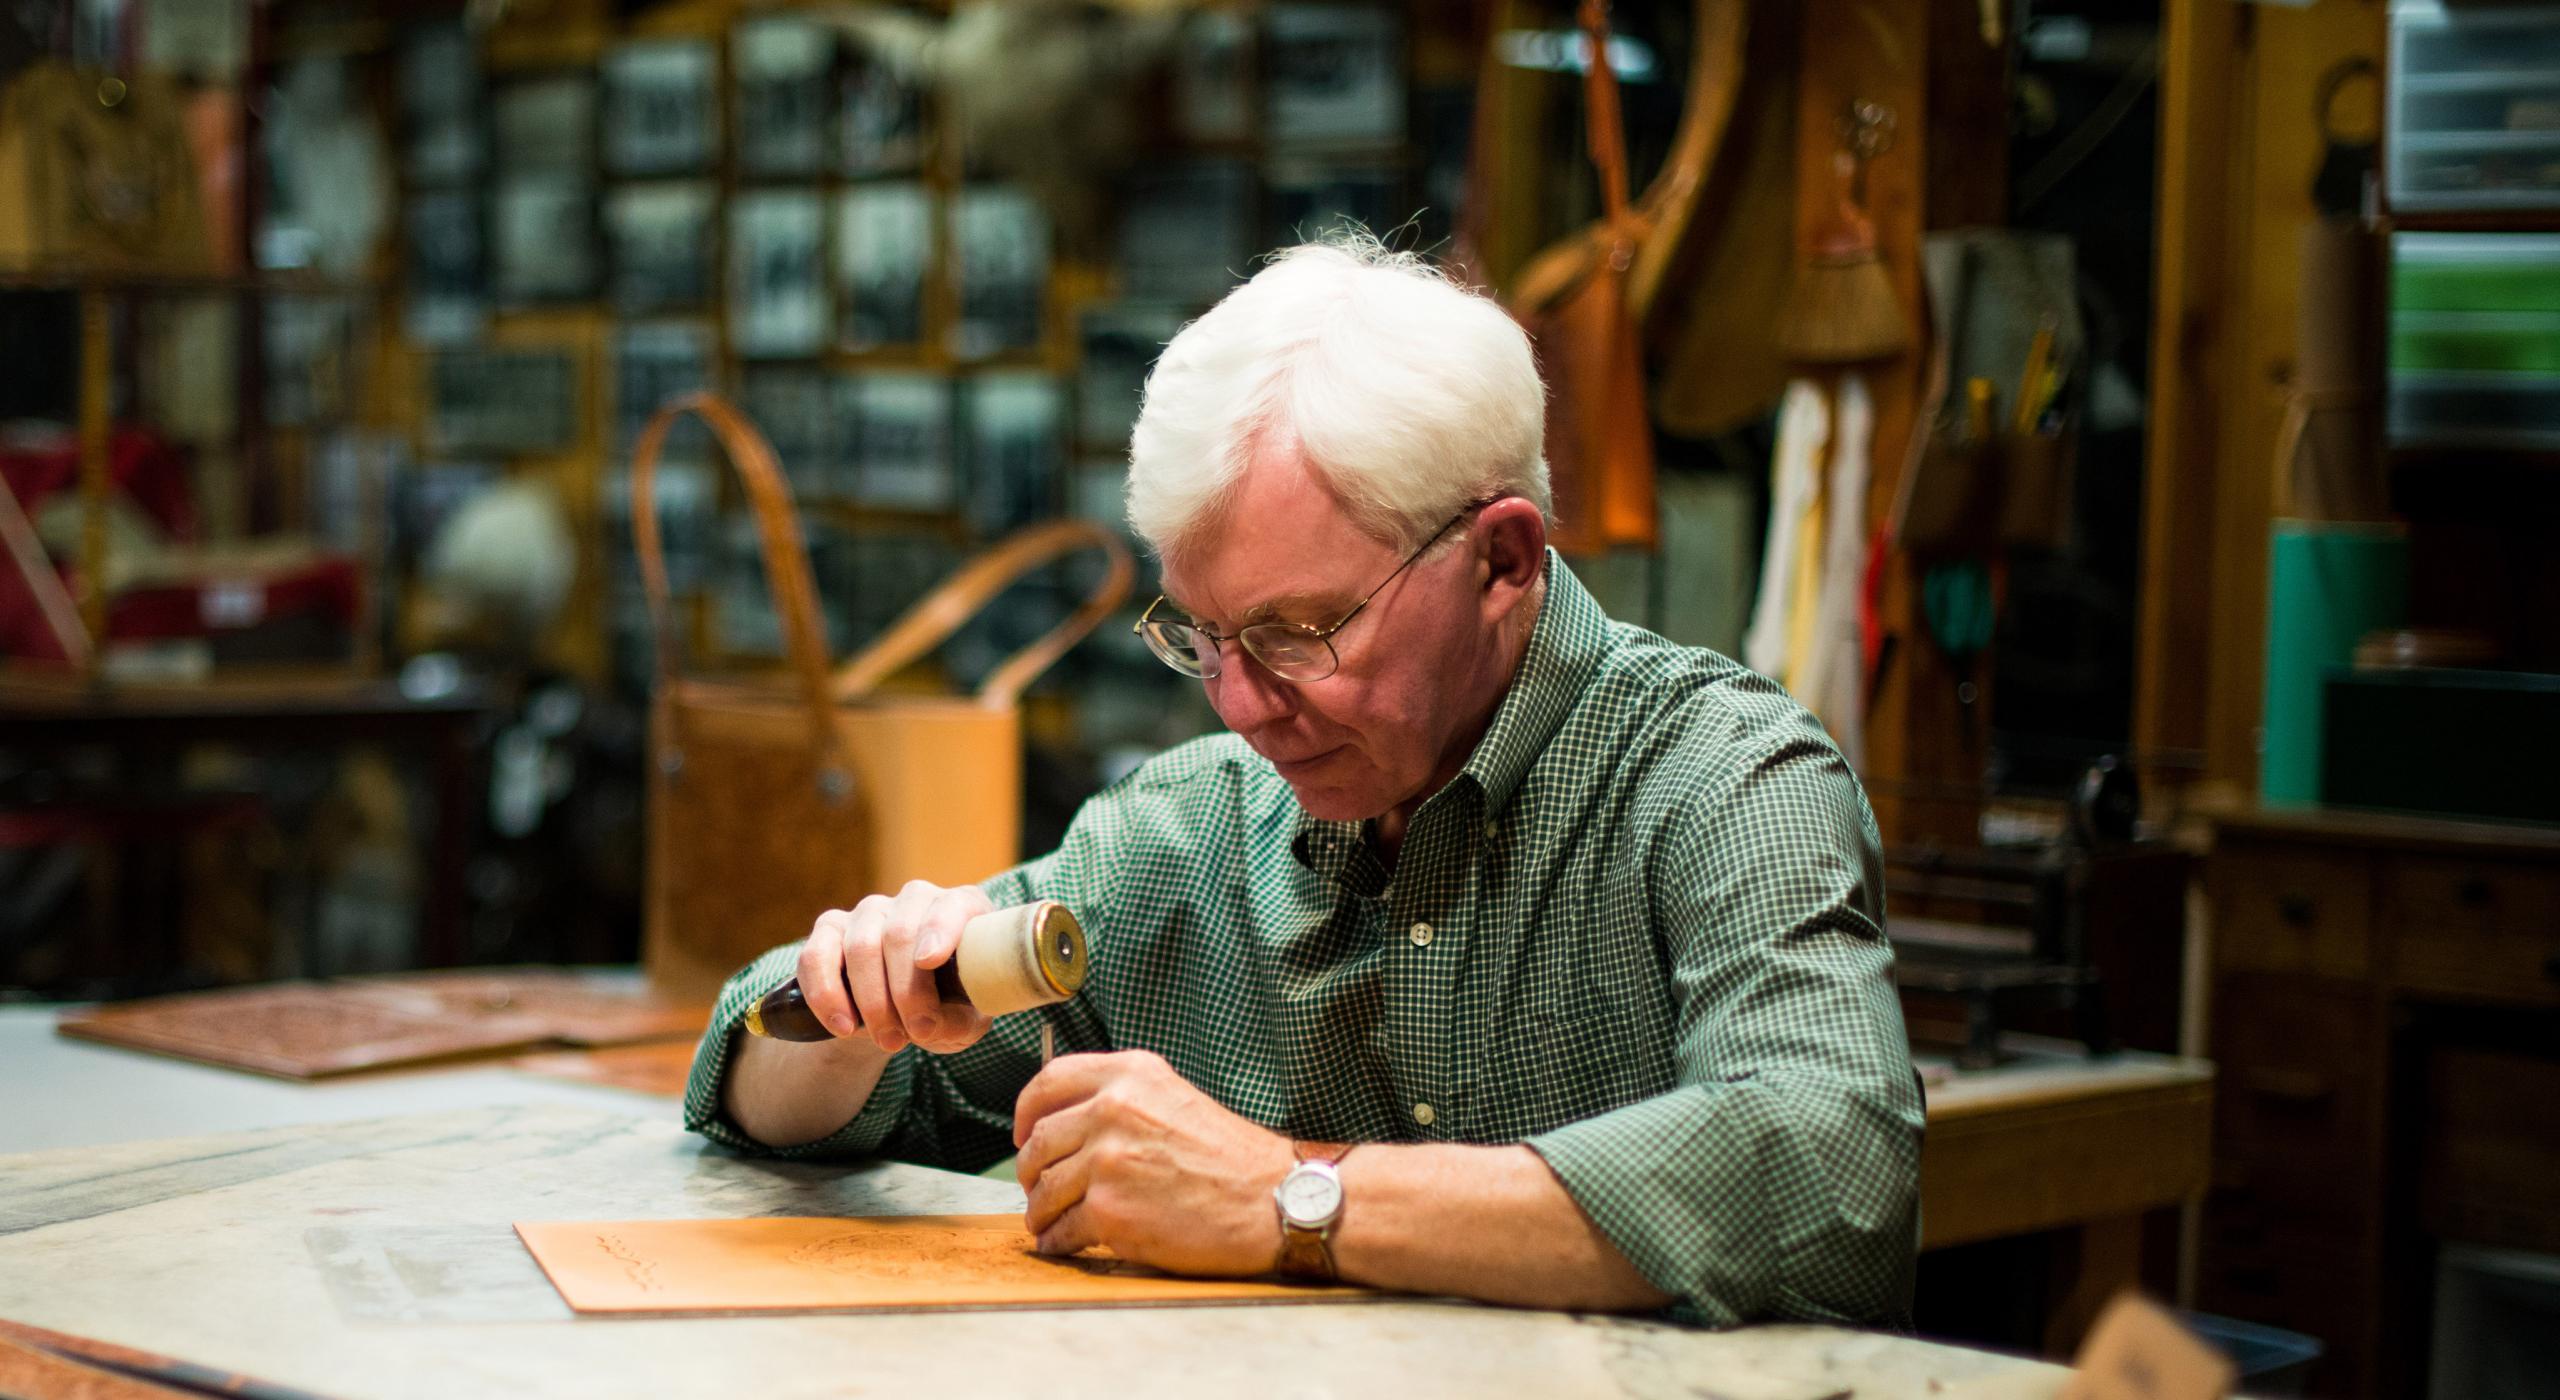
[347, 1243]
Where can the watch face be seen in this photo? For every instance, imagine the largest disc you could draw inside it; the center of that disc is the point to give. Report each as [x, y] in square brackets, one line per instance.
[1310, 1197]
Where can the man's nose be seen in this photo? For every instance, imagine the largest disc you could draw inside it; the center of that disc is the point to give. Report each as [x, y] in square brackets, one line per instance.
[1245, 694]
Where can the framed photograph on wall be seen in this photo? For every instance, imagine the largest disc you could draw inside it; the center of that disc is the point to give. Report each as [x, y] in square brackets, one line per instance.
[884, 252]
[777, 283]
[547, 124]
[901, 423]
[796, 407]
[661, 238]
[1186, 231]
[1310, 199]
[312, 359]
[662, 107]
[782, 67]
[653, 362]
[1335, 75]
[1120, 343]
[448, 300]
[881, 130]
[1213, 79]
[502, 403]
[1014, 441]
[445, 136]
[543, 238]
[1000, 245]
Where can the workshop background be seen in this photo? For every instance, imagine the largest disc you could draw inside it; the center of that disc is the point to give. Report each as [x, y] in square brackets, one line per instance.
[2132, 425]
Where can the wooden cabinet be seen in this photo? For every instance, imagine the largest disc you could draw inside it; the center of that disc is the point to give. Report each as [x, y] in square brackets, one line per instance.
[2385, 1019]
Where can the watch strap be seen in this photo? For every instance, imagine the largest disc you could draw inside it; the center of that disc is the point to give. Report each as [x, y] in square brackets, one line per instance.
[1305, 1252]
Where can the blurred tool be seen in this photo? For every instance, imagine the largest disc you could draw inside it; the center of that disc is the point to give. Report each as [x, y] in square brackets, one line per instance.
[1007, 961]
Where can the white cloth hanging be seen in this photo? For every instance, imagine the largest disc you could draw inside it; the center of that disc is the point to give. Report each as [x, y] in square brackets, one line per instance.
[1830, 679]
[1804, 427]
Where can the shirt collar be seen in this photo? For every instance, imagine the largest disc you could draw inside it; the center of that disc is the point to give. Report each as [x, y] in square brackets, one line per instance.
[1565, 648]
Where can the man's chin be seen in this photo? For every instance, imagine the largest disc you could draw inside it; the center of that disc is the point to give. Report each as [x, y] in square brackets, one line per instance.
[1333, 804]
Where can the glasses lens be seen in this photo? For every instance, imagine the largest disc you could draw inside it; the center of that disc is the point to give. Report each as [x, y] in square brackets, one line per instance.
[1181, 646]
[1289, 652]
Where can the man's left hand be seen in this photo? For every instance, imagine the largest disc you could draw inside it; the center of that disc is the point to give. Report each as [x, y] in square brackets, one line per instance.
[1121, 1151]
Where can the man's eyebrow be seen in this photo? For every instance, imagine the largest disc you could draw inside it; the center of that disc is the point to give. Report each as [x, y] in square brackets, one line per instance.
[1268, 610]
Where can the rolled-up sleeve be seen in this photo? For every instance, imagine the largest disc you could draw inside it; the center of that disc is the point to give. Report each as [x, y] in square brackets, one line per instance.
[955, 1110]
[1779, 1177]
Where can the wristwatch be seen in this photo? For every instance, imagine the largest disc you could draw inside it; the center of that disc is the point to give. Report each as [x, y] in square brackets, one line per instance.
[1310, 1201]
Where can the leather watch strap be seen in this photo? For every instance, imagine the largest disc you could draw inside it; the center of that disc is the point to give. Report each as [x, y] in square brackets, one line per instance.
[1329, 1153]
[1306, 1253]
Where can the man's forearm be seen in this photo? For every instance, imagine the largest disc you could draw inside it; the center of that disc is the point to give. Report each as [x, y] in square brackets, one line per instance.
[1481, 1222]
[784, 1093]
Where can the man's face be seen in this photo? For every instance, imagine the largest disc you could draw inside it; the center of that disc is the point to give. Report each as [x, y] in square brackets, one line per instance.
[1373, 734]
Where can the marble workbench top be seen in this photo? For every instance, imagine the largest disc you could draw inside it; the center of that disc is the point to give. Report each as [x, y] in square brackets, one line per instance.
[377, 1259]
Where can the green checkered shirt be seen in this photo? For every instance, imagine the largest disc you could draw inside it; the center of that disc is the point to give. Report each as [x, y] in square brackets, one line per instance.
[1641, 932]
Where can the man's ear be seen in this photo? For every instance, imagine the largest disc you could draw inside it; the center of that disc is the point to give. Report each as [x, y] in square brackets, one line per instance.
[1513, 548]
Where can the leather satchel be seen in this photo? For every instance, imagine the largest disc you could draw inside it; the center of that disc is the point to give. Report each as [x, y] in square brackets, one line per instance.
[774, 798]
[1573, 300]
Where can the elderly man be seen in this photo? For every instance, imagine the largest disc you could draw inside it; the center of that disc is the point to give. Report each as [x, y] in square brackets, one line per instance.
[1500, 950]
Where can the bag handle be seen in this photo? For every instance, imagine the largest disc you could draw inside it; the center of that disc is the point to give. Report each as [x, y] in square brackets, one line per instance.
[1607, 127]
[1610, 243]
[960, 597]
[786, 566]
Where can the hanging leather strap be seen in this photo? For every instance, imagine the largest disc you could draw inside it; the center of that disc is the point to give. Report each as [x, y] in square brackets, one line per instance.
[1606, 125]
[966, 593]
[786, 563]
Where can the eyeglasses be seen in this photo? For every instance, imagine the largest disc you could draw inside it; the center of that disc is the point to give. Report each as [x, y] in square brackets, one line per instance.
[1290, 650]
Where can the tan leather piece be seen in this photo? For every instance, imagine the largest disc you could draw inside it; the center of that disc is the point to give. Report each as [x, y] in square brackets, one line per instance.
[785, 1264]
[311, 1030]
[775, 798]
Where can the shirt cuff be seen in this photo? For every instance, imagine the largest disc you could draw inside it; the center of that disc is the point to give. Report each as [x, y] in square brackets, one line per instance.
[1643, 1174]
[705, 1110]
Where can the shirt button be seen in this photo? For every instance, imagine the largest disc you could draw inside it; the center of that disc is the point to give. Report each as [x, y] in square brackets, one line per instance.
[1423, 1114]
[1420, 934]
[1492, 829]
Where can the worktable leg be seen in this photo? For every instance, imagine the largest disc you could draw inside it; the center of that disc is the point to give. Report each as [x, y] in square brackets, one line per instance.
[2091, 1265]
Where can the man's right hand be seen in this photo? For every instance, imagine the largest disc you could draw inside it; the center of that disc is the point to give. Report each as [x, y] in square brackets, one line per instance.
[869, 970]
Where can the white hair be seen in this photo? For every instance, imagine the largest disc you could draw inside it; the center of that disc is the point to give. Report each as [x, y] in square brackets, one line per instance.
[1407, 396]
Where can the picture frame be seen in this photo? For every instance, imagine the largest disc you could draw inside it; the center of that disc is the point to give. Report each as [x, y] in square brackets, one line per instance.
[1334, 75]
[778, 304]
[653, 362]
[662, 107]
[1000, 273]
[447, 256]
[661, 239]
[546, 124]
[1014, 441]
[880, 125]
[902, 440]
[1308, 200]
[501, 403]
[445, 134]
[782, 66]
[1213, 78]
[1187, 231]
[883, 258]
[543, 238]
[797, 408]
[1118, 346]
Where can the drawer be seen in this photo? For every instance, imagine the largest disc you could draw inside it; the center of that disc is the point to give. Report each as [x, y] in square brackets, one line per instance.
[2298, 1097]
[2314, 1283]
[2489, 1167]
[2292, 909]
[2473, 928]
